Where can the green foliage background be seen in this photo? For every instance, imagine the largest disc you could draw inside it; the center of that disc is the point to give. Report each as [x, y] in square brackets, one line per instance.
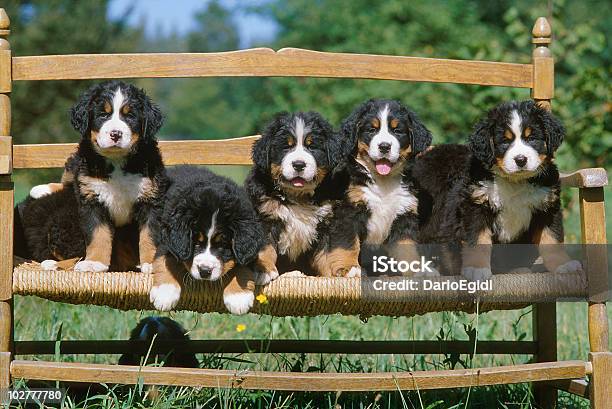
[230, 107]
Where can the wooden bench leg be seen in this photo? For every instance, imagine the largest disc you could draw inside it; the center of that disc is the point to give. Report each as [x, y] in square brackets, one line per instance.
[600, 387]
[545, 334]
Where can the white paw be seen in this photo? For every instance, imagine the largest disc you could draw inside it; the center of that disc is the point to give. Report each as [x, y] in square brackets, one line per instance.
[293, 274]
[239, 303]
[429, 272]
[354, 272]
[476, 273]
[265, 278]
[91, 266]
[49, 265]
[146, 268]
[572, 266]
[165, 297]
[39, 191]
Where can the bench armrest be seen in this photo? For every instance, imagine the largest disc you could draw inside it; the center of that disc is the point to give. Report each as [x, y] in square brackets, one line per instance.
[590, 177]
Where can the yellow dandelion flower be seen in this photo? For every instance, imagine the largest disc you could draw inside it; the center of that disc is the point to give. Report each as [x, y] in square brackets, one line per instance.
[262, 299]
[240, 327]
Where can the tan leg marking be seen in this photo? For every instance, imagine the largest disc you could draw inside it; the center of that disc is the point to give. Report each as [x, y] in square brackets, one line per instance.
[239, 293]
[266, 259]
[404, 250]
[166, 290]
[101, 245]
[550, 249]
[146, 246]
[478, 256]
[337, 262]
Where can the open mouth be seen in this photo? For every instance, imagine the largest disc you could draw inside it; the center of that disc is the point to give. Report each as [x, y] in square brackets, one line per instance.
[298, 182]
[383, 166]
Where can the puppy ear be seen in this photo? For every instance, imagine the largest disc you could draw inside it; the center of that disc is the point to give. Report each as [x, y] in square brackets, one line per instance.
[80, 112]
[176, 231]
[261, 149]
[350, 127]
[481, 141]
[247, 231]
[553, 129]
[153, 118]
[420, 135]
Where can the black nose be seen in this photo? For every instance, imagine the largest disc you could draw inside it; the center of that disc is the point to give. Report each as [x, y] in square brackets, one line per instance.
[205, 272]
[298, 165]
[384, 147]
[116, 135]
[521, 160]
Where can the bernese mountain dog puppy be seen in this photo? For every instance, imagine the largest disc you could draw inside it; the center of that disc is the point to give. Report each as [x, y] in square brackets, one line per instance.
[501, 188]
[294, 187]
[381, 201]
[206, 228]
[154, 329]
[111, 182]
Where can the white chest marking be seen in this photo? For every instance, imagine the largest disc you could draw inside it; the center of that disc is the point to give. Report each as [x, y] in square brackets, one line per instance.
[515, 203]
[300, 230]
[387, 199]
[119, 193]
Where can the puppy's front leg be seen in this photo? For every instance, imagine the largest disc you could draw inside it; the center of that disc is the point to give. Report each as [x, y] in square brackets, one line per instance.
[239, 293]
[146, 249]
[166, 290]
[340, 261]
[99, 248]
[476, 260]
[265, 265]
[550, 247]
[407, 250]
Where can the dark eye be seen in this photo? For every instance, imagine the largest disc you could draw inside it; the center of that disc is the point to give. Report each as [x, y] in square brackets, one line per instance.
[397, 130]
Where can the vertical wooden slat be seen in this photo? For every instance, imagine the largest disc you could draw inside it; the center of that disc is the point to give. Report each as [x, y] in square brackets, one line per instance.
[600, 388]
[544, 315]
[6, 208]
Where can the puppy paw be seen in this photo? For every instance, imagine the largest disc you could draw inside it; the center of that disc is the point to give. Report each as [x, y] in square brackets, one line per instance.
[430, 272]
[264, 278]
[572, 266]
[239, 303]
[39, 191]
[49, 265]
[165, 297]
[90, 266]
[476, 273]
[293, 274]
[146, 268]
[355, 271]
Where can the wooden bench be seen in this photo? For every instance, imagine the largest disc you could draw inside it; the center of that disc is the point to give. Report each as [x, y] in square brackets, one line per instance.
[297, 296]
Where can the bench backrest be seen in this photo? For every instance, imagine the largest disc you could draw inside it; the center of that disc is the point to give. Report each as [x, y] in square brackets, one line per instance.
[287, 62]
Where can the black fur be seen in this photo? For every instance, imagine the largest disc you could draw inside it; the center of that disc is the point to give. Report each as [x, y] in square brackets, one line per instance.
[69, 217]
[155, 330]
[359, 129]
[268, 189]
[193, 196]
[455, 209]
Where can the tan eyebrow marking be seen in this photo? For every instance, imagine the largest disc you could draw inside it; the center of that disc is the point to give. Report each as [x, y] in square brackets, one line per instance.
[375, 123]
[394, 123]
[508, 134]
[125, 109]
[107, 107]
[527, 132]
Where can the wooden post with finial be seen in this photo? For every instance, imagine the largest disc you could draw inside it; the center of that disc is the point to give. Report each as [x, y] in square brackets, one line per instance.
[6, 205]
[543, 64]
[544, 314]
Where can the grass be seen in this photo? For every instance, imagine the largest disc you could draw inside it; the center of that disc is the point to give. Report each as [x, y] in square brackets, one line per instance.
[37, 319]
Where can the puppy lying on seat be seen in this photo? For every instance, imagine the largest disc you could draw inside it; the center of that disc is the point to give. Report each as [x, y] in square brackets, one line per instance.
[110, 183]
[205, 228]
[501, 188]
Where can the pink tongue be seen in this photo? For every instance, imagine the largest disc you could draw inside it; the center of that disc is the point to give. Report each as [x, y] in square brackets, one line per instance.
[383, 167]
[297, 182]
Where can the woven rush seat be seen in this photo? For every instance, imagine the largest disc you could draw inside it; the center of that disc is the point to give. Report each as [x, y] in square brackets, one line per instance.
[297, 296]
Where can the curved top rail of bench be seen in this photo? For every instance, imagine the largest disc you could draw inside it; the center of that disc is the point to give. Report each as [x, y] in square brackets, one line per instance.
[265, 62]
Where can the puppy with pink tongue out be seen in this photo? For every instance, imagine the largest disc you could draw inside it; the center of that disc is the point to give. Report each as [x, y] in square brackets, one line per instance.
[383, 137]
